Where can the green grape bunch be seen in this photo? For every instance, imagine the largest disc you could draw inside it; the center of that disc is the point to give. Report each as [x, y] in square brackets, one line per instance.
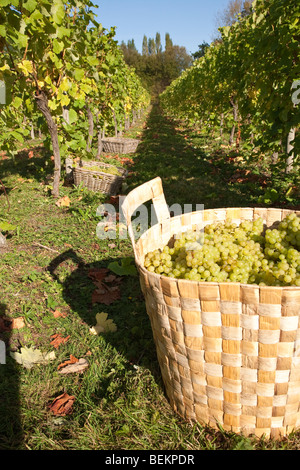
[227, 252]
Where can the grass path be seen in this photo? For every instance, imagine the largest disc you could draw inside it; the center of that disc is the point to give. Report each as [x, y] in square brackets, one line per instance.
[119, 400]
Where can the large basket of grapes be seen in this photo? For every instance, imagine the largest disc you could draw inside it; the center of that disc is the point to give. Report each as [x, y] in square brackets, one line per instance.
[99, 176]
[222, 290]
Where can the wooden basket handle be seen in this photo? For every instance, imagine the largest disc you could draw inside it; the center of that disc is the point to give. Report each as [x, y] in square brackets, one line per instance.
[151, 190]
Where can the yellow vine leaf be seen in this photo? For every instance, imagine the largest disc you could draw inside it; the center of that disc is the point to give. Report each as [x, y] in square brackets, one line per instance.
[63, 202]
[103, 324]
[25, 66]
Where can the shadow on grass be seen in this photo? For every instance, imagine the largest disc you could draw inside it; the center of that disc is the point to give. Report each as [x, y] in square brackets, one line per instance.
[33, 162]
[133, 338]
[11, 433]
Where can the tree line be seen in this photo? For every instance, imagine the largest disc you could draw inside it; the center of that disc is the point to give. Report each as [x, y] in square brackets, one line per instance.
[157, 65]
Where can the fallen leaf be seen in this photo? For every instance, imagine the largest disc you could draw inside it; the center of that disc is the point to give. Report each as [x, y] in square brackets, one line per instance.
[28, 357]
[58, 314]
[30, 154]
[78, 366]
[8, 324]
[72, 360]
[98, 274]
[62, 405]
[63, 202]
[17, 323]
[57, 340]
[103, 324]
[106, 295]
[113, 278]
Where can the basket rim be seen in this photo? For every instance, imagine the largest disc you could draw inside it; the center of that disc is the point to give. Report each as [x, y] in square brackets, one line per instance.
[120, 139]
[211, 283]
[124, 171]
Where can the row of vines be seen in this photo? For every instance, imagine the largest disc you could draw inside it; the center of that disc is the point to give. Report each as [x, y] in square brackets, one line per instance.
[65, 76]
[248, 84]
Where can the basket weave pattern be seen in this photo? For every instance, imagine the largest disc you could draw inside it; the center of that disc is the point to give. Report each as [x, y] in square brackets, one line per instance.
[229, 353]
[119, 145]
[98, 180]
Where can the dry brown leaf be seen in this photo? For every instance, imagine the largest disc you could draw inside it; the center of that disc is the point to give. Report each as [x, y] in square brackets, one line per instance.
[8, 324]
[98, 274]
[78, 366]
[58, 314]
[62, 405]
[72, 360]
[57, 340]
[105, 294]
[17, 323]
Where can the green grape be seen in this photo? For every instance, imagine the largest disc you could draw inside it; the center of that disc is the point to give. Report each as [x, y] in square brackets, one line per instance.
[225, 252]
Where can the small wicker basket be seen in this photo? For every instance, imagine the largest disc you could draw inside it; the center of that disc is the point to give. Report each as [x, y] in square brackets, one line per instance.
[98, 180]
[120, 145]
[229, 353]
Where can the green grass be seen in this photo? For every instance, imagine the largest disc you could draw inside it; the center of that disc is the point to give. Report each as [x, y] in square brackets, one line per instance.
[119, 400]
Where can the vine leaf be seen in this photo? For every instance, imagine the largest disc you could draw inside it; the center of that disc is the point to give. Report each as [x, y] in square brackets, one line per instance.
[126, 268]
[28, 357]
[103, 325]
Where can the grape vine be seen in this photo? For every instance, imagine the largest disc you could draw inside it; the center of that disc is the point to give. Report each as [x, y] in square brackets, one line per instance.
[58, 62]
[246, 81]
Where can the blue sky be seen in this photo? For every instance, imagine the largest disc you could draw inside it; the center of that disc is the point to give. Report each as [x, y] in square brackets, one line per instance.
[189, 22]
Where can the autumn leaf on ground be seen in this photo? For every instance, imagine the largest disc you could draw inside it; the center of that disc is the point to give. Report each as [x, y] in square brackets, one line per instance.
[57, 340]
[17, 323]
[72, 360]
[58, 314]
[98, 274]
[104, 325]
[78, 366]
[105, 294]
[8, 324]
[28, 357]
[62, 405]
[107, 289]
[63, 202]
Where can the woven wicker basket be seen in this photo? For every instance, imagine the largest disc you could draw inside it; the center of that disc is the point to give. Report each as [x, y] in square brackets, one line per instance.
[229, 353]
[98, 180]
[120, 145]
